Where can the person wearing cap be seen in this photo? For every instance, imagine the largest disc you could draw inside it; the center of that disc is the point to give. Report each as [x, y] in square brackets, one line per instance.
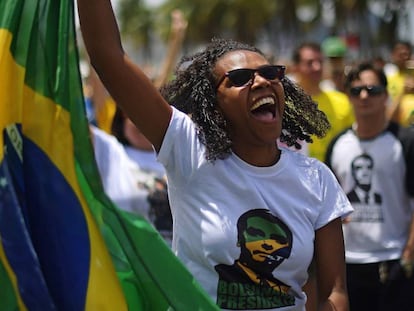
[308, 62]
[334, 49]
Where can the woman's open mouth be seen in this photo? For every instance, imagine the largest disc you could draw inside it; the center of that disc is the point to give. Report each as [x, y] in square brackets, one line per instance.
[264, 109]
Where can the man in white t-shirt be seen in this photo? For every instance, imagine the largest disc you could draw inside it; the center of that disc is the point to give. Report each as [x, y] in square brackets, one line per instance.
[122, 180]
[373, 162]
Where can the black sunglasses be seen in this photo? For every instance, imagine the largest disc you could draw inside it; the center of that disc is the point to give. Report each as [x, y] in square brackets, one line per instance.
[372, 90]
[243, 76]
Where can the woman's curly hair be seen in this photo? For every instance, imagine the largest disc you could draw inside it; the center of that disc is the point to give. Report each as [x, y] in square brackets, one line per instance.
[193, 91]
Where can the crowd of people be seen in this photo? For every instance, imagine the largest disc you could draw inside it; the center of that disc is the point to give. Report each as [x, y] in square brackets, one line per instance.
[276, 187]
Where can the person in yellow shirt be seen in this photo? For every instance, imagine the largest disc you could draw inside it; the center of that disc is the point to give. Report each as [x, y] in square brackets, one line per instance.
[334, 49]
[308, 60]
[401, 84]
[401, 109]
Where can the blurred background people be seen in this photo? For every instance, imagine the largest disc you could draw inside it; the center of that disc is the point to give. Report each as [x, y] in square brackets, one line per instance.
[123, 181]
[140, 150]
[308, 62]
[130, 174]
[401, 83]
[334, 49]
[395, 69]
[136, 145]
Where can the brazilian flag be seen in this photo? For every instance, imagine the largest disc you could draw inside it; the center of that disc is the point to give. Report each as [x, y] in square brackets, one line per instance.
[63, 244]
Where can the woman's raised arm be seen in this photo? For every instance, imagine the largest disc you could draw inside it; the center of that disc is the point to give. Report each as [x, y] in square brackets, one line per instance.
[126, 82]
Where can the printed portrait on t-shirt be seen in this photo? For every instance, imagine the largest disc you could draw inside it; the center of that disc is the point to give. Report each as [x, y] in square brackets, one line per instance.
[366, 202]
[249, 283]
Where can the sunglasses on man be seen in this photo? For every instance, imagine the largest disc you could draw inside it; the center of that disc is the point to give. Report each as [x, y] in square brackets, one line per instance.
[243, 76]
[372, 90]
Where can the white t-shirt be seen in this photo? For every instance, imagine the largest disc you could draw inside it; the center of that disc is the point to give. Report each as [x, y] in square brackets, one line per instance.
[146, 160]
[378, 228]
[207, 200]
[122, 179]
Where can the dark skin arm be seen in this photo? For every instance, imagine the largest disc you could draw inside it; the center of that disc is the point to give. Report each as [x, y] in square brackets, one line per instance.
[126, 82]
[330, 267]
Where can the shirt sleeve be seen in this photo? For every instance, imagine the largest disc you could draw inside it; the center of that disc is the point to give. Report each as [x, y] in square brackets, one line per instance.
[181, 151]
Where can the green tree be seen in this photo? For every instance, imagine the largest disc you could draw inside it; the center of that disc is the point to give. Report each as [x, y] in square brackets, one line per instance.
[237, 19]
[283, 23]
[137, 23]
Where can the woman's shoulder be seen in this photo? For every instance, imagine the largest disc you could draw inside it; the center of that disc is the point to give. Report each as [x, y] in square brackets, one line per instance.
[306, 164]
[300, 158]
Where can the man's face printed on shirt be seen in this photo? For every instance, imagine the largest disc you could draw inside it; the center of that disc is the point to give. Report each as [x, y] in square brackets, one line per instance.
[362, 170]
[249, 283]
[265, 240]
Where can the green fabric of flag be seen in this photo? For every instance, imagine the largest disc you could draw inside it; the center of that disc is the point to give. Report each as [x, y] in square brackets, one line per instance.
[63, 244]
